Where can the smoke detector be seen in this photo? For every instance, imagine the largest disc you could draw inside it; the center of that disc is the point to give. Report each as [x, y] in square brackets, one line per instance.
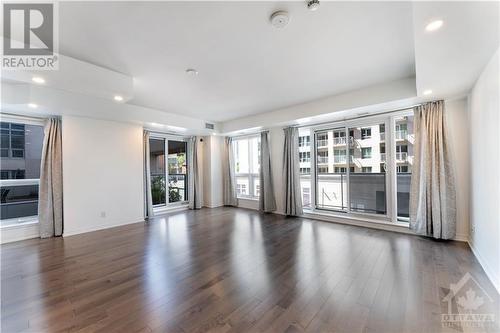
[280, 19]
[312, 5]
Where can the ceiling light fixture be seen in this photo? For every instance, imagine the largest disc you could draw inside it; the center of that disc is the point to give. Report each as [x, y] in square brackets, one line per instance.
[38, 79]
[280, 19]
[427, 92]
[312, 5]
[118, 98]
[32, 105]
[434, 25]
[191, 72]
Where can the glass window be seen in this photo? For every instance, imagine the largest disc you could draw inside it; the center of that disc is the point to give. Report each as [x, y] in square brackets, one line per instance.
[247, 166]
[21, 151]
[305, 166]
[404, 161]
[366, 133]
[177, 171]
[331, 180]
[367, 182]
[157, 168]
[366, 152]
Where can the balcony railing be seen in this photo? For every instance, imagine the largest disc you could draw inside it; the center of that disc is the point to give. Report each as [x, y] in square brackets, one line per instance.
[339, 159]
[322, 143]
[382, 136]
[19, 198]
[367, 192]
[401, 135]
[402, 156]
[322, 159]
[343, 140]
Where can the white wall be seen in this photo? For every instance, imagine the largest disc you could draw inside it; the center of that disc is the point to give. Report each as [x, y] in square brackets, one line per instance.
[212, 171]
[457, 130]
[102, 174]
[484, 124]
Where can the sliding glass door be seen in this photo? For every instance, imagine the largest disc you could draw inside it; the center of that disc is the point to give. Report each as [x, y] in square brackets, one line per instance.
[177, 171]
[367, 178]
[359, 167]
[169, 177]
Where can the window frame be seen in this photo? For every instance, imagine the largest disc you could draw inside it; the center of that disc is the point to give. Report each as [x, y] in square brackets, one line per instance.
[25, 120]
[171, 137]
[251, 175]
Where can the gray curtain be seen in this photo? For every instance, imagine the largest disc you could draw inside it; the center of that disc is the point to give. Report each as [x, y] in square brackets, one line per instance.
[432, 194]
[195, 191]
[148, 197]
[228, 174]
[291, 181]
[50, 197]
[267, 202]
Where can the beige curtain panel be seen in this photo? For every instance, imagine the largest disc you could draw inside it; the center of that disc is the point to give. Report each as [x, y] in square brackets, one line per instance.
[228, 174]
[432, 194]
[267, 202]
[291, 180]
[195, 191]
[148, 196]
[50, 197]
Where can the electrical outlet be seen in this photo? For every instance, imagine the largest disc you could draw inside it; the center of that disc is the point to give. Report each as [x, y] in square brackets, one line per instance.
[103, 214]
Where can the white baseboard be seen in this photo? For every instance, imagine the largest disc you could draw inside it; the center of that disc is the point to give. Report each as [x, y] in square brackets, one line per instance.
[101, 227]
[494, 278]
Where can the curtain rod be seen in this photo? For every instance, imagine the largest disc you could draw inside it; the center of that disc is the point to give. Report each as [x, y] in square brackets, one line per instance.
[358, 117]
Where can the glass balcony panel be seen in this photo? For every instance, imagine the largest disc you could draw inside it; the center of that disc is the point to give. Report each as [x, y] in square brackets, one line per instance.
[177, 187]
[403, 186]
[368, 193]
[332, 191]
[18, 201]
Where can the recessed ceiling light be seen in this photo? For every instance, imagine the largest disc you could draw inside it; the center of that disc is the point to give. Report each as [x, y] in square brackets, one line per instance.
[32, 105]
[434, 25]
[191, 71]
[118, 98]
[427, 92]
[38, 79]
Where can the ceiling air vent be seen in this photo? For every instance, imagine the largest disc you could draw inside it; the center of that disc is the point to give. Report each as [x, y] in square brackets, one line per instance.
[209, 126]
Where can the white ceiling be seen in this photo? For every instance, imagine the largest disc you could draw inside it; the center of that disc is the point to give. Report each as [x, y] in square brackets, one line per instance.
[245, 65]
[450, 60]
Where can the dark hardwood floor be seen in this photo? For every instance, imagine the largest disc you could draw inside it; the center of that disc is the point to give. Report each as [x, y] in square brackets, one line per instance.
[233, 270]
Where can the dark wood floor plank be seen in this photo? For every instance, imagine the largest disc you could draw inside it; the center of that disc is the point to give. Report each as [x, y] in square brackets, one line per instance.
[232, 270]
